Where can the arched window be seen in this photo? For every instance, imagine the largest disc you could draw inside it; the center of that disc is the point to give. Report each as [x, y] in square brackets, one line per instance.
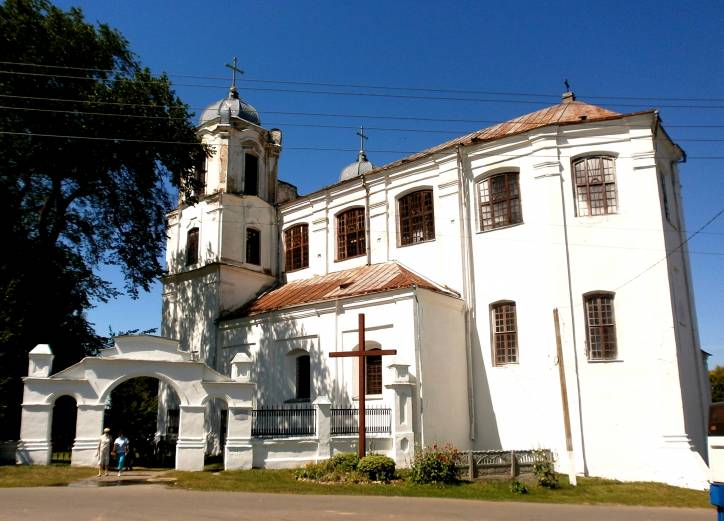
[351, 234]
[600, 326]
[192, 246]
[253, 246]
[417, 217]
[251, 174]
[499, 200]
[595, 185]
[505, 332]
[373, 372]
[303, 378]
[296, 246]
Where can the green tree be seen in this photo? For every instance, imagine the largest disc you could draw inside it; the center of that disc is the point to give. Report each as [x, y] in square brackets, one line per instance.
[91, 143]
[716, 384]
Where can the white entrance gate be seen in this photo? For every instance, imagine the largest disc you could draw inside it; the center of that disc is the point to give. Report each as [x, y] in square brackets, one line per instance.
[91, 381]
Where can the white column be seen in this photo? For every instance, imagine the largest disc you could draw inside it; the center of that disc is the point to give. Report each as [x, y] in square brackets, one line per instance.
[191, 441]
[34, 447]
[403, 437]
[88, 427]
[323, 427]
[239, 452]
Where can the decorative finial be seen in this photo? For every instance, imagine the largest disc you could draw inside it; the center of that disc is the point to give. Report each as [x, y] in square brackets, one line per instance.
[234, 69]
[568, 96]
[362, 156]
[565, 82]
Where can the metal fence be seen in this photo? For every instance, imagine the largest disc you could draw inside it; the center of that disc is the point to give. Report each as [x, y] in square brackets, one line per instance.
[283, 421]
[346, 421]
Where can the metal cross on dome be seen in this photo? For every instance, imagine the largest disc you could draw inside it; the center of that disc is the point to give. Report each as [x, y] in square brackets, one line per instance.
[362, 138]
[234, 70]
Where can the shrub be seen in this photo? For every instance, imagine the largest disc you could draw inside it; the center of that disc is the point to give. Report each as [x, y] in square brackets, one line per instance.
[544, 470]
[377, 467]
[311, 471]
[343, 461]
[516, 487]
[434, 465]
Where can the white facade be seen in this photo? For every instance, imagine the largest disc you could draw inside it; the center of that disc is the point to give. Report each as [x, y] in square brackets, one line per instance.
[638, 415]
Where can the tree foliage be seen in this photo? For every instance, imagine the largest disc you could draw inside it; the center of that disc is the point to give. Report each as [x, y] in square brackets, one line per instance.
[92, 144]
[716, 384]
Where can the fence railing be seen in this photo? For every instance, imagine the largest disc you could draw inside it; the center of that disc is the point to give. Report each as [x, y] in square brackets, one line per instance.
[283, 421]
[346, 421]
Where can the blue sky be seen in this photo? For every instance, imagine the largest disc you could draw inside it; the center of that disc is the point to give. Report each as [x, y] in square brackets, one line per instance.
[609, 51]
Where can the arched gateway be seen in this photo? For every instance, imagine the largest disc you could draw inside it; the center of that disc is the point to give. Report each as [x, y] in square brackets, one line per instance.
[91, 381]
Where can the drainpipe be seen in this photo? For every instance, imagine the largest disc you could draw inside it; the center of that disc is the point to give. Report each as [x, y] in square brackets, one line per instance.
[368, 235]
[465, 258]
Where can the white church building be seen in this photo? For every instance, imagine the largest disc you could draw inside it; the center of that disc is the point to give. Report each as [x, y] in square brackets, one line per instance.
[532, 277]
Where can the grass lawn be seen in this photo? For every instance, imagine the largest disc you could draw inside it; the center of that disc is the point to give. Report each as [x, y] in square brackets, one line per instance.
[42, 475]
[589, 490]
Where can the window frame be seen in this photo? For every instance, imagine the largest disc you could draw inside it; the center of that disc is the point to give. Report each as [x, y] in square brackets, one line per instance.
[376, 367]
[494, 335]
[192, 236]
[297, 380]
[421, 214]
[508, 198]
[246, 172]
[359, 232]
[252, 230]
[576, 185]
[291, 249]
[604, 357]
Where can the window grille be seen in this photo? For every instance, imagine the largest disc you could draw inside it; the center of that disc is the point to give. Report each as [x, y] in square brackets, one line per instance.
[251, 175]
[595, 186]
[253, 246]
[351, 234]
[417, 217]
[600, 327]
[373, 374]
[499, 199]
[505, 333]
[296, 244]
[192, 246]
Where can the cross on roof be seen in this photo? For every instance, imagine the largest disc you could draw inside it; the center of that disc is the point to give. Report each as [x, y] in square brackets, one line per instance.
[234, 70]
[362, 138]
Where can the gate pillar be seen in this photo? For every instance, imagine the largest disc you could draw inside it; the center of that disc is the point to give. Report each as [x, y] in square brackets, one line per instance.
[191, 441]
[34, 447]
[88, 426]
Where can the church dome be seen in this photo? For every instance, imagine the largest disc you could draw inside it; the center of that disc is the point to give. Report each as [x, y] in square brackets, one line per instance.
[230, 107]
[359, 167]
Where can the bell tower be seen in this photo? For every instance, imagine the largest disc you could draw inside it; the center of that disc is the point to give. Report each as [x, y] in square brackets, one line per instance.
[222, 251]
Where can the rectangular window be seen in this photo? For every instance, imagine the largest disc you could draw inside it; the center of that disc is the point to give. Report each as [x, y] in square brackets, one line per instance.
[192, 246]
[303, 378]
[351, 241]
[499, 200]
[253, 246]
[296, 245]
[505, 333]
[595, 186]
[251, 175]
[417, 217]
[373, 366]
[600, 327]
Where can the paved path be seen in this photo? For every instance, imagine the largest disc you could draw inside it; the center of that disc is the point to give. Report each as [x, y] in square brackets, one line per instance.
[156, 502]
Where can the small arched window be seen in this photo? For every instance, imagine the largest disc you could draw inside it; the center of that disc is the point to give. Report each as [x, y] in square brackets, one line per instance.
[296, 246]
[351, 232]
[192, 246]
[251, 174]
[417, 217]
[373, 372]
[595, 185]
[253, 246]
[600, 326]
[303, 378]
[499, 201]
[505, 332]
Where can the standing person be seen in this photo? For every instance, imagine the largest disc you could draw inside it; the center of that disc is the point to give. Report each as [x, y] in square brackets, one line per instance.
[103, 451]
[120, 447]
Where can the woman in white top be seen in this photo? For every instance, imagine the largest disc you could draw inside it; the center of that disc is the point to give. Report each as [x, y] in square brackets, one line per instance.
[103, 452]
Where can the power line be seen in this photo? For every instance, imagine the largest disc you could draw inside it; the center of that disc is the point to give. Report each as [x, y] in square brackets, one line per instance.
[285, 124]
[321, 149]
[334, 115]
[372, 86]
[370, 94]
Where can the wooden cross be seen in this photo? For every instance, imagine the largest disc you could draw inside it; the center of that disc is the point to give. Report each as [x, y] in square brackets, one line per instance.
[234, 70]
[362, 138]
[361, 353]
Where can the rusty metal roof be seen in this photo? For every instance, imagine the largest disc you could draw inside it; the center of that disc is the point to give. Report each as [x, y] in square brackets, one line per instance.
[377, 278]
